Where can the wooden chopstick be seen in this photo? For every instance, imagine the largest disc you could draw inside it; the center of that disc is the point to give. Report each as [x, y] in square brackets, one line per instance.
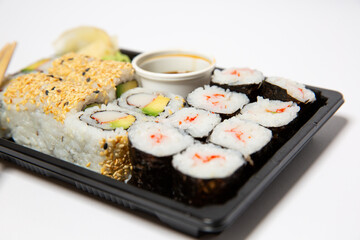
[5, 56]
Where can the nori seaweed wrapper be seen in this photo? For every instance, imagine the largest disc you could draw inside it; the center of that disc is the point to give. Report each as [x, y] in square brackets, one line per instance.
[251, 90]
[223, 116]
[199, 192]
[273, 92]
[150, 172]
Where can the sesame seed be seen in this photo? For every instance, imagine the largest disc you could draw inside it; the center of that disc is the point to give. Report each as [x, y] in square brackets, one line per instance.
[88, 79]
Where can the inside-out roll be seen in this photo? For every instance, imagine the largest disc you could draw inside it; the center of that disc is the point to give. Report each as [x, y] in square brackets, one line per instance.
[97, 139]
[150, 103]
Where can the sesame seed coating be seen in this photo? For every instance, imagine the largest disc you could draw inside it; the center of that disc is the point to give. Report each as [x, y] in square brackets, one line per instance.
[64, 88]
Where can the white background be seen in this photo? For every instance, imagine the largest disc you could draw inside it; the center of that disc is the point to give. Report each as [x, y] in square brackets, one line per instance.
[314, 42]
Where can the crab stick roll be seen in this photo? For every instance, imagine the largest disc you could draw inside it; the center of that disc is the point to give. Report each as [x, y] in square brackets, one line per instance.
[152, 146]
[243, 80]
[151, 104]
[277, 88]
[249, 138]
[206, 173]
[196, 122]
[97, 140]
[279, 116]
[217, 100]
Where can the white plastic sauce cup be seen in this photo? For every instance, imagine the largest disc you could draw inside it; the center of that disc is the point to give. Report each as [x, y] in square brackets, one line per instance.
[175, 71]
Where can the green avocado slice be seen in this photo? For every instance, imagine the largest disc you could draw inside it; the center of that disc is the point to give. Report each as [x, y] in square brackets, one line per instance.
[35, 65]
[156, 106]
[123, 87]
[124, 122]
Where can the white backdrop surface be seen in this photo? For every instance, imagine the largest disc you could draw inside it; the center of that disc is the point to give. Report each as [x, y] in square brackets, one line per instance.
[315, 42]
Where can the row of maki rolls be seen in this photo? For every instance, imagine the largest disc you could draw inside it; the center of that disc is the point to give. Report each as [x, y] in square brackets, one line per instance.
[202, 150]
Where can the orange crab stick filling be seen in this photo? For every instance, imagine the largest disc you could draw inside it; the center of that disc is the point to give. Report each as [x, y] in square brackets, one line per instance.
[189, 119]
[237, 72]
[279, 110]
[157, 137]
[238, 134]
[215, 98]
[208, 158]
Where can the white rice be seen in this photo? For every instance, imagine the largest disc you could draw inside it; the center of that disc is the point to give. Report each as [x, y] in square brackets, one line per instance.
[216, 99]
[83, 143]
[198, 123]
[270, 113]
[294, 89]
[158, 139]
[237, 76]
[244, 136]
[207, 161]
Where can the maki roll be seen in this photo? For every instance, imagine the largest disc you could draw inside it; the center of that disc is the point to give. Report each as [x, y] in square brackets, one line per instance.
[206, 173]
[217, 100]
[277, 88]
[279, 116]
[152, 146]
[196, 122]
[151, 104]
[249, 138]
[243, 80]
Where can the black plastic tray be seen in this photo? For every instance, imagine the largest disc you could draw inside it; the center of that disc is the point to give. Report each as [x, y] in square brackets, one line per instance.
[185, 218]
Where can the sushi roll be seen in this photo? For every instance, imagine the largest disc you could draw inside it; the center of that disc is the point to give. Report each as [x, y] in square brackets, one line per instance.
[196, 122]
[277, 88]
[97, 139]
[279, 116]
[243, 80]
[152, 146]
[207, 174]
[107, 75]
[249, 138]
[35, 106]
[152, 105]
[217, 100]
